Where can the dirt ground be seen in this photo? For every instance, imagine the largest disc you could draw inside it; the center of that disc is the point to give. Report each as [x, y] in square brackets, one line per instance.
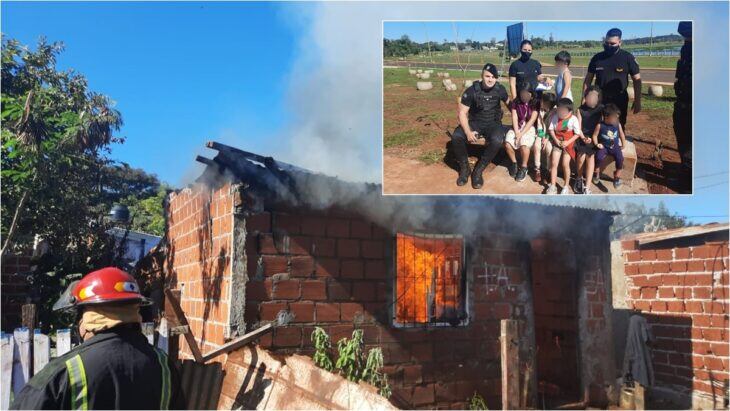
[417, 158]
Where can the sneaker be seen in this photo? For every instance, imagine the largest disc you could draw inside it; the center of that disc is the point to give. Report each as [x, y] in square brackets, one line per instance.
[521, 174]
[617, 183]
[565, 190]
[587, 190]
[596, 180]
[537, 176]
[578, 185]
[512, 168]
[551, 189]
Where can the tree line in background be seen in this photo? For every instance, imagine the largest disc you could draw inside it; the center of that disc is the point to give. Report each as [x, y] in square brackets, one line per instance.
[404, 46]
[59, 181]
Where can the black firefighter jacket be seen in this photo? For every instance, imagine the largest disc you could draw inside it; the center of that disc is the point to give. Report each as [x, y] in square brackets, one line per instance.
[115, 369]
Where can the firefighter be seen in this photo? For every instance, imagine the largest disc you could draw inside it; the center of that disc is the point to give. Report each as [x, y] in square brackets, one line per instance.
[115, 367]
[682, 115]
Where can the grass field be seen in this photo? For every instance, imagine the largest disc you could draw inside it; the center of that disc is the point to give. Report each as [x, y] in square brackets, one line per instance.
[580, 56]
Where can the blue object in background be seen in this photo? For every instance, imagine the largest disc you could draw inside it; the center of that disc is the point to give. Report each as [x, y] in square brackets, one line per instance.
[515, 35]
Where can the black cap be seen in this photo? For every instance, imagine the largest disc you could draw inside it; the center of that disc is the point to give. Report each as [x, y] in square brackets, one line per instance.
[491, 68]
[685, 28]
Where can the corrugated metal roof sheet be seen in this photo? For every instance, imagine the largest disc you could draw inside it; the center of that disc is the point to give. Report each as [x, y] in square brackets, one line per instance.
[683, 232]
[277, 175]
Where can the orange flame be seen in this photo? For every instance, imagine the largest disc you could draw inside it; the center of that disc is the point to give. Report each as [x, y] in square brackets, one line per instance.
[428, 277]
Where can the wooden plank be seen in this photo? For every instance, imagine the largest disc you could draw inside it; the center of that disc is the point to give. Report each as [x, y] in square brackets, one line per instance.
[510, 365]
[63, 341]
[41, 351]
[163, 336]
[173, 342]
[148, 329]
[7, 348]
[29, 317]
[183, 321]
[238, 342]
[21, 359]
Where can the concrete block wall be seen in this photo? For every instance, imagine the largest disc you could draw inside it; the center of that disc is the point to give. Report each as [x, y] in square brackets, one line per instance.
[684, 293]
[200, 234]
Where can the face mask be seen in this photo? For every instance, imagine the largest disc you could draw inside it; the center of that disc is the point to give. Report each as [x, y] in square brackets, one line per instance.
[610, 49]
[525, 55]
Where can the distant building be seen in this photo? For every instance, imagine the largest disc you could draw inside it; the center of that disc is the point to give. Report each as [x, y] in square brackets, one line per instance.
[137, 244]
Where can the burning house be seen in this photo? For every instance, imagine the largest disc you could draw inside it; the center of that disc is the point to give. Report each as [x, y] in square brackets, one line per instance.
[427, 279]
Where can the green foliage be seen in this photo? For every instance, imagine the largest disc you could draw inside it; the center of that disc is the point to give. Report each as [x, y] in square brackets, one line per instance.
[477, 402]
[148, 213]
[351, 361]
[322, 349]
[371, 372]
[58, 179]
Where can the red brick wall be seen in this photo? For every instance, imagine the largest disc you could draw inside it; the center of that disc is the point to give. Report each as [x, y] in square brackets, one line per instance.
[14, 289]
[683, 291]
[335, 272]
[200, 233]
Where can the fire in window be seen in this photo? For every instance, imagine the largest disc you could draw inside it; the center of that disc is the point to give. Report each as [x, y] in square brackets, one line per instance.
[430, 282]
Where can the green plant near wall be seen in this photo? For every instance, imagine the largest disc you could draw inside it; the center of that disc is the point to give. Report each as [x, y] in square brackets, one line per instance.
[322, 347]
[351, 360]
[477, 402]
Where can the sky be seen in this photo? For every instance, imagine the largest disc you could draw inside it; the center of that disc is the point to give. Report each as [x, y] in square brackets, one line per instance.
[302, 81]
[484, 31]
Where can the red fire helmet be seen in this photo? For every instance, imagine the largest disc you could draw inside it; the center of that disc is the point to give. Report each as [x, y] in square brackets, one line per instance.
[105, 286]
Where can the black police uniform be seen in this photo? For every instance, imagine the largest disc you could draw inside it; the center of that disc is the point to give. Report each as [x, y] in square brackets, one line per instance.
[115, 369]
[525, 71]
[485, 117]
[682, 115]
[612, 77]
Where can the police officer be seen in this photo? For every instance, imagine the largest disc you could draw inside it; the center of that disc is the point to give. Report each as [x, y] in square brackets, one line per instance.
[480, 115]
[682, 115]
[115, 367]
[524, 69]
[612, 68]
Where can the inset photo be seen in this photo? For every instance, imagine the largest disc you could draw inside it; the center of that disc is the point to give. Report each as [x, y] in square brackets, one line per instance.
[537, 107]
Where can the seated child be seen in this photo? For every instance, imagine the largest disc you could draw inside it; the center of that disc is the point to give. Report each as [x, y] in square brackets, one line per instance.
[564, 129]
[589, 115]
[542, 142]
[610, 140]
[525, 109]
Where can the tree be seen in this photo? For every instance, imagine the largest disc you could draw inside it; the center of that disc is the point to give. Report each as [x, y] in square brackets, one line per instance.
[636, 218]
[58, 181]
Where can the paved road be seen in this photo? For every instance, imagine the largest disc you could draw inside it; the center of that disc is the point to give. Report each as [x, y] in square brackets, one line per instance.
[660, 76]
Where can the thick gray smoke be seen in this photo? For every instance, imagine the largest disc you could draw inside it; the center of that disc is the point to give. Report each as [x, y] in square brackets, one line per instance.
[336, 101]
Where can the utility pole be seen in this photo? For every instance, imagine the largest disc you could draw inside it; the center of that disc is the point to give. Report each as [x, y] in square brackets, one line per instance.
[651, 40]
[429, 43]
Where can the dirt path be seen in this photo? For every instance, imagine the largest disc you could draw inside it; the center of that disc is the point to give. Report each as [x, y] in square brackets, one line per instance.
[416, 163]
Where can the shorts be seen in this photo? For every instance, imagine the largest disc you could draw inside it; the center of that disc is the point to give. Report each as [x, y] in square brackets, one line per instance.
[615, 152]
[570, 149]
[528, 139]
[583, 148]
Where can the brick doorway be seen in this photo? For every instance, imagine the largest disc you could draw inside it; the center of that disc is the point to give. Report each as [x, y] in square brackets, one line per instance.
[555, 296]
